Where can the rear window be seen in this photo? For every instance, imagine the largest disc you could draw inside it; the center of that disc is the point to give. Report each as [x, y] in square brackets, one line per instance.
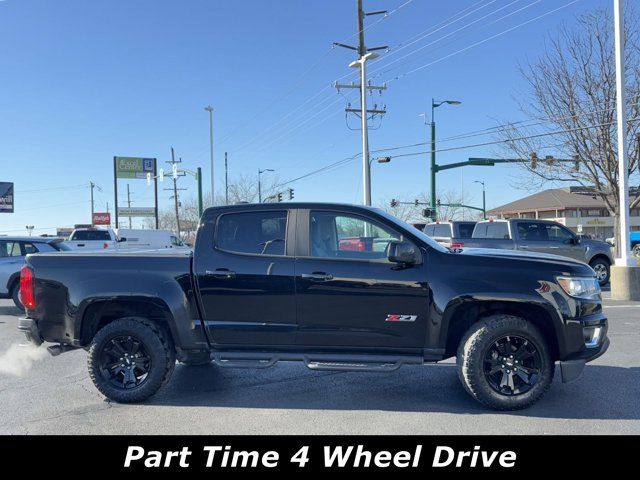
[258, 233]
[91, 235]
[442, 230]
[491, 230]
[10, 249]
[465, 230]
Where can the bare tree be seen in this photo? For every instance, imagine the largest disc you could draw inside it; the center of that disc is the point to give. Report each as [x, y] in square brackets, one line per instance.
[571, 95]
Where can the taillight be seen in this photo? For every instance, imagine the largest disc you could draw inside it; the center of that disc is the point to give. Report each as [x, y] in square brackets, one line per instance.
[457, 244]
[105, 245]
[27, 296]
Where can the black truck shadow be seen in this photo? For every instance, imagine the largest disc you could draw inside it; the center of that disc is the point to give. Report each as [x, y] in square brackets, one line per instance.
[602, 393]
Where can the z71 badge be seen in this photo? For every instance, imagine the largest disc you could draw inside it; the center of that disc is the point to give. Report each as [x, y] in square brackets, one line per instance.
[401, 318]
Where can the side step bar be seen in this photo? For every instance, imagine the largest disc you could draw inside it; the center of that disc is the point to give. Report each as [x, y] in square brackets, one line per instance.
[317, 361]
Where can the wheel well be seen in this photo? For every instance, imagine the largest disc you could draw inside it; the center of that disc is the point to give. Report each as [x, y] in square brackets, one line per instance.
[100, 313]
[13, 280]
[600, 256]
[467, 315]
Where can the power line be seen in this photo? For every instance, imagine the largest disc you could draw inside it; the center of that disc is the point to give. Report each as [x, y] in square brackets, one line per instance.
[476, 44]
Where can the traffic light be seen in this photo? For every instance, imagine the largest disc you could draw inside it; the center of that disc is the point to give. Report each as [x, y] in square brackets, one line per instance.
[438, 202]
[428, 213]
[279, 196]
[534, 161]
[291, 194]
[394, 203]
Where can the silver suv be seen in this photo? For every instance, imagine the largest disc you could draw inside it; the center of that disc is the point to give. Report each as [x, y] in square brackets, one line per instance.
[12, 253]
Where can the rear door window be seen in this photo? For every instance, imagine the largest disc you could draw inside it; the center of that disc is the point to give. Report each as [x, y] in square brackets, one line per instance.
[10, 249]
[532, 232]
[256, 233]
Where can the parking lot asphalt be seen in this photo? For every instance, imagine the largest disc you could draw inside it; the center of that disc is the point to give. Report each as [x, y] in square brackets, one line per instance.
[57, 397]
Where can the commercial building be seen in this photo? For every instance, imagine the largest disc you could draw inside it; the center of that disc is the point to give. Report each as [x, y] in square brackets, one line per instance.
[575, 207]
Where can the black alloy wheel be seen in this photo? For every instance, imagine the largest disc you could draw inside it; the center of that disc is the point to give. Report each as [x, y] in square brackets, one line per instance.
[124, 362]
[512, 365]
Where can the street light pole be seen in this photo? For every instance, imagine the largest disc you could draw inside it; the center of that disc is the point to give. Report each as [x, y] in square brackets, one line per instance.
[435, 104]
[209, 109]
[260, 172]
[484, 200]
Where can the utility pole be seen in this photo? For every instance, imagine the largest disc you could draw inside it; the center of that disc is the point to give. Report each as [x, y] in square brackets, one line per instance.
[92, 186]
[209, 109]
[129, 204]
[175, 175]
[364, 54]
[226, 180]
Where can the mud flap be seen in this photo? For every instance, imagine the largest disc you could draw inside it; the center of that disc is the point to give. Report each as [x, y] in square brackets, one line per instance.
[571, 370]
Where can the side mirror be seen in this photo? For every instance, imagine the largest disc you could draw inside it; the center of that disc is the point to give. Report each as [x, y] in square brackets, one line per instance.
[402, 252]
[122, 239]
[575, 241]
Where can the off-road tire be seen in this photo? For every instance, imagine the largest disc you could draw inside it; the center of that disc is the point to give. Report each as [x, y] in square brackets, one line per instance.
[471, 354]
[194, 359]
[158, 345]
[15, 295]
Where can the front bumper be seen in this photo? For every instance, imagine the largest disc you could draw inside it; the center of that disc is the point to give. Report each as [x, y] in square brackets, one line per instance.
[572, 369]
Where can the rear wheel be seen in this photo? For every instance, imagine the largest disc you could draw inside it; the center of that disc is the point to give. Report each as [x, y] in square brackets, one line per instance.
[504, 362]
[636, 250]
[130, 359]
[15, 295]
[601, 267]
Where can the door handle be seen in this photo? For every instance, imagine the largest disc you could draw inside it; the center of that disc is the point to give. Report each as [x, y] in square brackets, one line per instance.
[317, 276]
[220, 273]
[523, 247]
[554, 248]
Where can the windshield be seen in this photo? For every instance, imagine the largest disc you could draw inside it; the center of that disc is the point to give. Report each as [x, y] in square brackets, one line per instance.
[426, 239]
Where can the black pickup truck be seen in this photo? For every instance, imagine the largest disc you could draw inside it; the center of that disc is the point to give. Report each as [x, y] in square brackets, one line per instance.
[337, 287]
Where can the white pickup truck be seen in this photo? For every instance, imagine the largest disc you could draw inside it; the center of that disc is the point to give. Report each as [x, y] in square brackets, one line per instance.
[92, 239]
[95, 239]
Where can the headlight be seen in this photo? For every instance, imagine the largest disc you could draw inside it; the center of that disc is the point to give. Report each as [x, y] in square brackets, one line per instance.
[580, 287]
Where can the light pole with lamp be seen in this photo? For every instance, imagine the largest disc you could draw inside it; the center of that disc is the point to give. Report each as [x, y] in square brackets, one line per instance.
[435, 104]
[260, 172]
[484, 204]
[209, 109]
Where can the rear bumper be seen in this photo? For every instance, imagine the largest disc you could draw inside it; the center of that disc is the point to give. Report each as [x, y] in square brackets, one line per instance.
[29, 327]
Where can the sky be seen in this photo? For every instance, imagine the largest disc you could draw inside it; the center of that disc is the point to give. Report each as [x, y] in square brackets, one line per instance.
[82, 81]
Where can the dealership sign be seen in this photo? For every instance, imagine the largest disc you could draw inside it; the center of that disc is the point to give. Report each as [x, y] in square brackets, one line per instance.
[6, 197]
[134, 167]
[136, 211]
[101, 218]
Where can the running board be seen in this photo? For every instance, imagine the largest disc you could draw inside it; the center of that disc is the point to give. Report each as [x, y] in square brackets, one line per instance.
[316, 361]
[354, 367]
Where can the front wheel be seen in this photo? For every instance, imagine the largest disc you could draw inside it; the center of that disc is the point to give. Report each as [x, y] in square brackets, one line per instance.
[504, 362]
[636, 250]
[601, 267]
[130, 359]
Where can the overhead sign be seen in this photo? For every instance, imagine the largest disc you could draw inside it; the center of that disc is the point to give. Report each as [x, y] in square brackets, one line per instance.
[101, 218]
[579, 228]
[134, 167]
[6, 197]
[136, 211]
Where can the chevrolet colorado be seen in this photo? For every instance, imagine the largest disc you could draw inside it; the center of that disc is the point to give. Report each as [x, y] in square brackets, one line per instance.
[289, 282]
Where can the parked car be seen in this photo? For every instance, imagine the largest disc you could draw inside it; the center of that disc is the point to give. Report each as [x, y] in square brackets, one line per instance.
[12, 254]
[92, 239]
[542, 236]
[274, 282]
[148, 239]
[450, 234]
